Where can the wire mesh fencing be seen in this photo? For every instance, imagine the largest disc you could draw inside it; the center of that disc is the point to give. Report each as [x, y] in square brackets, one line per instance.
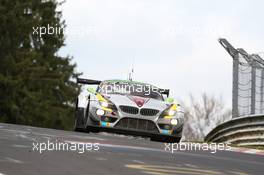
[248, 81]
[248, 91]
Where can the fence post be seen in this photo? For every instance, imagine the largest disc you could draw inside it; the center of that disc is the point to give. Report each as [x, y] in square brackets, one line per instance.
[261, 90]
[253, 88]
[235, 86]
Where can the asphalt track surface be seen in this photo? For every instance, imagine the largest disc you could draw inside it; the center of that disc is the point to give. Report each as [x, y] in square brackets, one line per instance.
[117, 154]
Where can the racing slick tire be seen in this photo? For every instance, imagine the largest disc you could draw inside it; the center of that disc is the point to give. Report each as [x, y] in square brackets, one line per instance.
[166, 139]
[92, 129]
[79, 120]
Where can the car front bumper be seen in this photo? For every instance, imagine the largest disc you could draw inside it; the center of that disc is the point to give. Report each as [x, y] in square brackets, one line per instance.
[133, 132]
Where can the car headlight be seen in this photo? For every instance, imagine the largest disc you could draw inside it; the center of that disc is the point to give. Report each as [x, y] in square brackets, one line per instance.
[104, 104]
[100, 112]
[174, 121]
[169, 112]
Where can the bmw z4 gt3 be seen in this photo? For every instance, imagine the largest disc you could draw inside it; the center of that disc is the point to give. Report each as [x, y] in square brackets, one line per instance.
[130, 108]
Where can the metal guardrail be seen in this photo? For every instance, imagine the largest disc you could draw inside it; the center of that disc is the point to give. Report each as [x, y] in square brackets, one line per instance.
[241, 131]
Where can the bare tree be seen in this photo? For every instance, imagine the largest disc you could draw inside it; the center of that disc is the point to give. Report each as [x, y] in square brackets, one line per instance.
[203, 115]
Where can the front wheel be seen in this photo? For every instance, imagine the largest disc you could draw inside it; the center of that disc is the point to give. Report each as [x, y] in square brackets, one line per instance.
[94, 130]
[78, 120]
[166, 139]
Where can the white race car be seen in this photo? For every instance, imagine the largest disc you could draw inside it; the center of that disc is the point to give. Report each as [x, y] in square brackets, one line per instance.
[129, 107]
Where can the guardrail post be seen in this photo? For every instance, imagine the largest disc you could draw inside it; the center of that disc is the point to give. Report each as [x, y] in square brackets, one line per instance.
[261, 91]
[253, 88]
[235, 86]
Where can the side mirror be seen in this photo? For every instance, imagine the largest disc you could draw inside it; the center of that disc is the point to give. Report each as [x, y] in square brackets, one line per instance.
[91, 90]
[170, 100]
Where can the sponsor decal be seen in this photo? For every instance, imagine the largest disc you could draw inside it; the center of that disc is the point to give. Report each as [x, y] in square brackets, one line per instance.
[105, 124]
[140, 101]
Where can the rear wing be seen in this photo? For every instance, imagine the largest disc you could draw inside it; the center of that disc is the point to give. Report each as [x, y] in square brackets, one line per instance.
[165, 92]
[88, 81]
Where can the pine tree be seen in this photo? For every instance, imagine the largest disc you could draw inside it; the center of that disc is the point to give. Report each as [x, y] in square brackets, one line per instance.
[36, 84]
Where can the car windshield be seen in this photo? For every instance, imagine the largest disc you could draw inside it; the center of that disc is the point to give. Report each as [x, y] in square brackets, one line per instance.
[134, 89]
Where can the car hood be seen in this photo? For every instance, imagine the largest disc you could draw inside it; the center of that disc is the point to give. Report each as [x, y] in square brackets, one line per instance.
[136, 101]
